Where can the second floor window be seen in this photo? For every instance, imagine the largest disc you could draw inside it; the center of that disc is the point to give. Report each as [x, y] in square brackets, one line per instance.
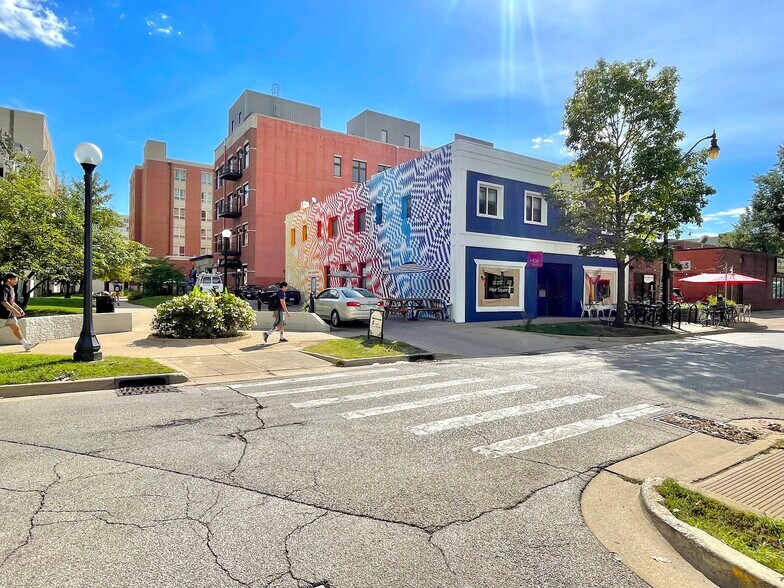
[333, 227]
[337, 166]
[405, 206]
[179, 194]
[382, 167]
[534, 208]
[293, 240]
[359, 171]
[379, 212]
[304, 232]
[318, 229]
[490, 200]
[359, 220]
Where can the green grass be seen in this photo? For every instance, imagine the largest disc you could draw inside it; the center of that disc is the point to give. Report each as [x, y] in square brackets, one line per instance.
[152, 301]
[48, 305]
[584, 330]
[761, 538]
[25, 368]
[361, 347]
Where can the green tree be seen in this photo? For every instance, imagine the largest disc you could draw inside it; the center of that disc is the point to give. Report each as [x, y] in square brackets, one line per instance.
[628, 182]
[761, 228]
[155, 273]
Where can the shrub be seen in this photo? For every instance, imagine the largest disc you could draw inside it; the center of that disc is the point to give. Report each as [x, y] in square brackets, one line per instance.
[135, 295]
[200, 315]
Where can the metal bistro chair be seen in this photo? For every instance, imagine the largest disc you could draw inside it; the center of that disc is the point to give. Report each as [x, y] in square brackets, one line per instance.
[587, 310]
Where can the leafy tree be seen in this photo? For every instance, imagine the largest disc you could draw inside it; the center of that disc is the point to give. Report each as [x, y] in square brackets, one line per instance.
[761, 228]
[629, 182]
[155, 273]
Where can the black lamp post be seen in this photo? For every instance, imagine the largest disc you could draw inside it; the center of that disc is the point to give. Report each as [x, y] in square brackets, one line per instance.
[226, 234]
[713, 153]
[87, 347]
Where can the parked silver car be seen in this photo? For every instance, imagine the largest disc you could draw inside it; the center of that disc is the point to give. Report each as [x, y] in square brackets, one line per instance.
[346, 304]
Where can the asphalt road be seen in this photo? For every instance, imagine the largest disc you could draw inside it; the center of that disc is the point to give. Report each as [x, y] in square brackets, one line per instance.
[460, 473]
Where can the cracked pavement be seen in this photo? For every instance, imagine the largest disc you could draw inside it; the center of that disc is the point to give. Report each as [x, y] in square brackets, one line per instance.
[213, 486]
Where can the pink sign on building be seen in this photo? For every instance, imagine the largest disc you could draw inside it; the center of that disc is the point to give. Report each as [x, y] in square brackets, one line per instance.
[535, 259]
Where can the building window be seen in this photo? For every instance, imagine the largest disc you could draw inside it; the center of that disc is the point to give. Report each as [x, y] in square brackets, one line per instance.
[361, 272]
[535, 208]
[246, 155]
[179, 213]
[219, 180]
[406, 141]
[359, 171]
[490, 200]
[179, 175]
[333, 227]
[206, 198]
[206, 178]
[179, 232]
[405, 207]
[245, 194]
[204, 233]
[182, 250]
[179, 194]
[239, 159]
[778, 288]
[304, 232]
[499, 285]
[337, 166]
[359, 221]
[232, 126]
[384, 136]
[318, 229]
[204, 250]
[204, 215]
[379, 212]
[382, 168]
[245, 239]
[293, 239]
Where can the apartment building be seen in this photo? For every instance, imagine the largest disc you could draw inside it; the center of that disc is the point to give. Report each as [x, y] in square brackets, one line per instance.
[171, 206]
[27, 132]
[276, 155]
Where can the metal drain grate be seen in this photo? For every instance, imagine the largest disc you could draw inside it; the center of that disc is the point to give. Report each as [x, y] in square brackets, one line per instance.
[137, 390]
[698, 424]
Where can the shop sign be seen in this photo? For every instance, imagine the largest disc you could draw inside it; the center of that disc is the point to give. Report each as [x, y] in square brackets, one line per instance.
[376, 325]
[685, 266]
[648, 278]
[535, 259]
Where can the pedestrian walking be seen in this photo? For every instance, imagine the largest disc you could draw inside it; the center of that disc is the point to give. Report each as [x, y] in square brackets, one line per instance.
[278, 306]
[11, 312]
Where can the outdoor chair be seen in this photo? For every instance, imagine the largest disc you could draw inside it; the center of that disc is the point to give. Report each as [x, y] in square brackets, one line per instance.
[587, 310]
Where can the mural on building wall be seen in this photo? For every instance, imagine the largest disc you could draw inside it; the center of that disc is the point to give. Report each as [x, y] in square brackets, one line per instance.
[413, 203]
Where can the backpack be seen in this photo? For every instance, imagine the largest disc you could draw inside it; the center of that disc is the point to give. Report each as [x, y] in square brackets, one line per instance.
[273, 303]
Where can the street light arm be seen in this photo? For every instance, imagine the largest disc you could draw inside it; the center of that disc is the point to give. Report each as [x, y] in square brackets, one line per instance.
[711, 136]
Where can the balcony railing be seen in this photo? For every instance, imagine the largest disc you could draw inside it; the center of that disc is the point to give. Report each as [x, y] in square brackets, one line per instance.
[228, 247]
[230, 172]
[230, 209]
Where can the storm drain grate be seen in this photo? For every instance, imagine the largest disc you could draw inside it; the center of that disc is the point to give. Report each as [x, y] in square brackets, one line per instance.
[137, 390]
[698, 424]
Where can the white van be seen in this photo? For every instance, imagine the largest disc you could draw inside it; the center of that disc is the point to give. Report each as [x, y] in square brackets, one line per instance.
[209, 282]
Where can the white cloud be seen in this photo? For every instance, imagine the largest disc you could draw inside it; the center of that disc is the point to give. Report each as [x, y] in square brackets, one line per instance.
[159, 23]
[717, 216]
[31, 20]
[539, 141]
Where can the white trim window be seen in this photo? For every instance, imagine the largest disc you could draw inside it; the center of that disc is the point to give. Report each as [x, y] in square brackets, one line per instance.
[500, 285]
[489, 200]
[535, 208]
[179, 194]
[179, 175]
[206, 178]
[179, 212]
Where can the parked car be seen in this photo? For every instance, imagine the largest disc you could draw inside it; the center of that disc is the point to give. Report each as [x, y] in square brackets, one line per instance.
[209, 283]
[264, 295]
[346, 304]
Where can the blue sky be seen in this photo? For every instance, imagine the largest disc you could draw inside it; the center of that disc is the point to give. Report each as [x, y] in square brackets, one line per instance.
[117, 72]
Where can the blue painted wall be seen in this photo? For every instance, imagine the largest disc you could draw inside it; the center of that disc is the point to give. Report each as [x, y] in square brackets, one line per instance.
[512, 225]
[577, 263]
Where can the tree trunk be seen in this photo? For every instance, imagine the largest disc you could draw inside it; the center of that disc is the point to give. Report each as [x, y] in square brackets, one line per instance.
[67, 289]
[621, 298]
[26, 293]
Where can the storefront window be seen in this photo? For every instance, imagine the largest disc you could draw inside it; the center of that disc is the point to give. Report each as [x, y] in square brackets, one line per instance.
[600, 285]
[499, 287]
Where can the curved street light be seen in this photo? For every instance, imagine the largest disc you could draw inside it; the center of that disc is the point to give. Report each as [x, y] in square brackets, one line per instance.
[87, 347]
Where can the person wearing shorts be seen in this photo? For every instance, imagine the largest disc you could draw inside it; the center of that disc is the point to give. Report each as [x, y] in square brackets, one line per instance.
[11, 312]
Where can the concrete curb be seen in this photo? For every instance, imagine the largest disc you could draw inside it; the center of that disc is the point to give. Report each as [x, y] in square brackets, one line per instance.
[89, 385]
[718, 562]
[371, 360]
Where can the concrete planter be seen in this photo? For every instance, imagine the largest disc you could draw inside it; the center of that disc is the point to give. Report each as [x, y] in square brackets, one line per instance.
[64, 326]
[298, 322]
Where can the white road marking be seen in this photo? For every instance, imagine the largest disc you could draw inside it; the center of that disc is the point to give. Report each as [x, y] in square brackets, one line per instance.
[502, 413]
[526, 442]
[367, 412]
[275, 382]
[773, 395]
[380, 393]
[341, 385]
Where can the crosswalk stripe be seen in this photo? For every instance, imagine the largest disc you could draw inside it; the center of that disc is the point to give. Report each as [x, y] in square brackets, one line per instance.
[342, 385]
[367, 412]
[501, 413]
[381, 393]
[276, 382]
[526, 442]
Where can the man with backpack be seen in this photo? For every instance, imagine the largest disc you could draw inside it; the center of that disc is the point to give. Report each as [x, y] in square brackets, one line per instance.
[11, 312]
[278, 306]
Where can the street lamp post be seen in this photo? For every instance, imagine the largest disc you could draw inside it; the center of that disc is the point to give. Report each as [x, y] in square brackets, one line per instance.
[87, 347]
[713, 153]
[226, 234]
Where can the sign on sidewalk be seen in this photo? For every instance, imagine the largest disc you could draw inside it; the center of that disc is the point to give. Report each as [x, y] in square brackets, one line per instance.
[376, 325]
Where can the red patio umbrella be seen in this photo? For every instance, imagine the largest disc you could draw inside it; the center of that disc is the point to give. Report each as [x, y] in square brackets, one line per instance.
[728, 279]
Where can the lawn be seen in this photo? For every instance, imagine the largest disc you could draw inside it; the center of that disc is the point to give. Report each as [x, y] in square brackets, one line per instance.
[761, 538]
[585, 330]
[151, 301]
[25, 368]
[48, 305]
[361, 347]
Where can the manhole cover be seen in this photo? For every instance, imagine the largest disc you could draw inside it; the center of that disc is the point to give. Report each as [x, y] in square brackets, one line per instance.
[136, 390]
[699, 424]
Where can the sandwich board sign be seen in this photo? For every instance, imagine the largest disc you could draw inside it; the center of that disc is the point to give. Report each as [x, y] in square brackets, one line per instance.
[376, 325]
